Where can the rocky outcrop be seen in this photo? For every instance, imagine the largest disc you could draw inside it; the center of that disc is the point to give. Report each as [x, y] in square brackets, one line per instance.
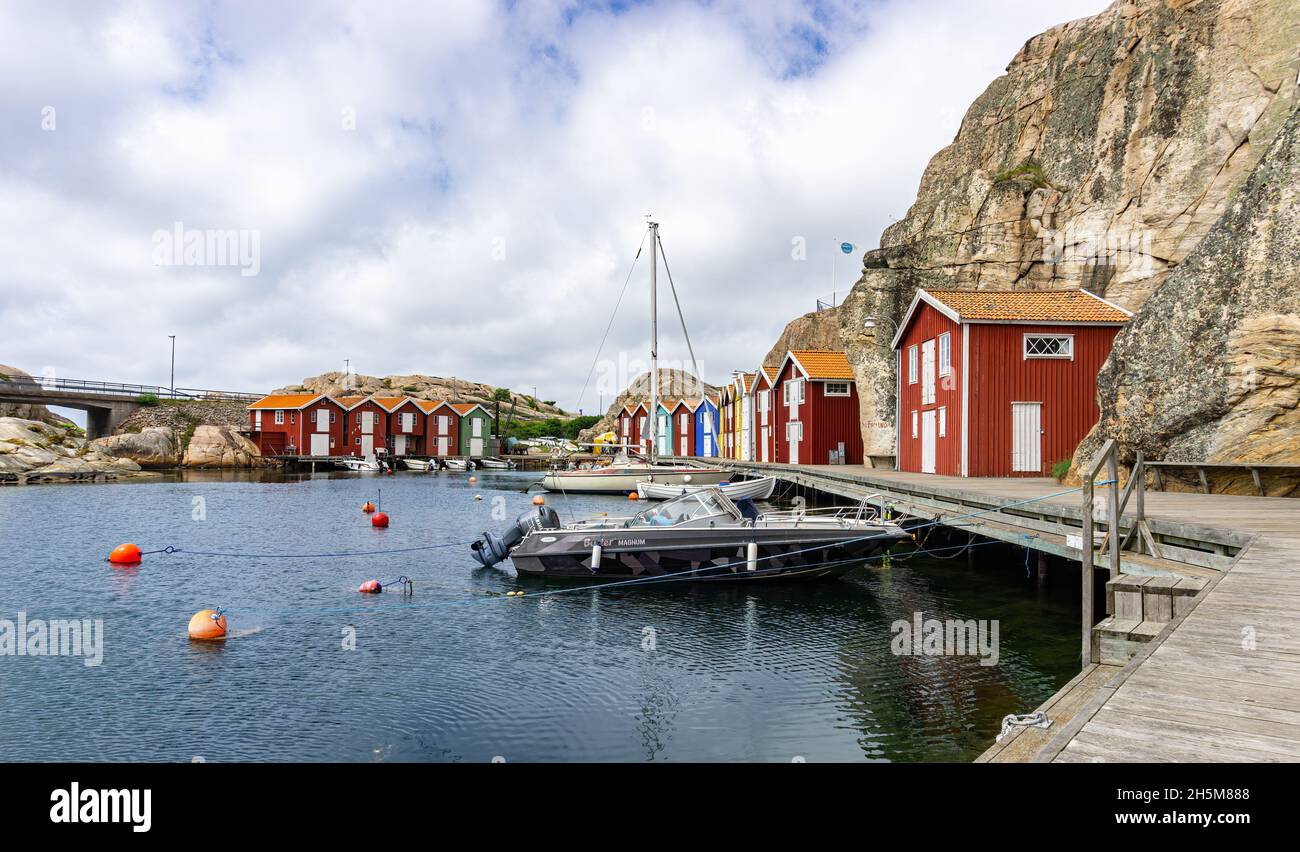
[220, 446]
[152, 446]
[816, 330]
[1100, 159]
[1210, 368]
[427, 387]
[25, 411]
[32, 451]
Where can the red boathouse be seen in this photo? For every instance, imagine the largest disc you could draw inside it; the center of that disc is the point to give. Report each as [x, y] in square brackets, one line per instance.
[998, 383]
[816, 409]
[296, 424]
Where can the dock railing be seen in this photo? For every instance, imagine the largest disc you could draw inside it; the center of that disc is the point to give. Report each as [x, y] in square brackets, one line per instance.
[1115, 539]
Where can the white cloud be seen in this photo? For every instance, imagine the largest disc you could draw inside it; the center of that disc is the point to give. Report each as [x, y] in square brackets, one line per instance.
[480, 218]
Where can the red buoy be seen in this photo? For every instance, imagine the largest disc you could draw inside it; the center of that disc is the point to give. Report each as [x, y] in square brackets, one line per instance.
[370, 587]
[125, 554]
[379, 519]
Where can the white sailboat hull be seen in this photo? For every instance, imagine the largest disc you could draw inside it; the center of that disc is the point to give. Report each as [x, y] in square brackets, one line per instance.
[623, 480]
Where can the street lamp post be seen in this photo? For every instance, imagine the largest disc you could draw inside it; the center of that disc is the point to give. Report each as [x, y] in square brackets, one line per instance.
[173, 337]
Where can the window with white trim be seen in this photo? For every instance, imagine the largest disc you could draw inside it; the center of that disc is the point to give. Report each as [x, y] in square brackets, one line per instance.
[913, 356]
[794, 431]
[312, 415]
[916, 430]
[293, 417]
[837, 388]
[1049, 346]
[945, 354]
[279, 416]
[793, 394]
[943, 421]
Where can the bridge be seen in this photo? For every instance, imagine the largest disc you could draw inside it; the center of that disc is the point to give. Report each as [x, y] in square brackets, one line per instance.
[106, 404]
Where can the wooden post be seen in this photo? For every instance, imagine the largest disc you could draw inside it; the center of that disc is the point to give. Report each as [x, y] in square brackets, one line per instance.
[1112, 468]
[1085, 564]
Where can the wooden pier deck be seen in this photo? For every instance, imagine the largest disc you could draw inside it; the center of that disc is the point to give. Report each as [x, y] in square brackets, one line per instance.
[1221, 681]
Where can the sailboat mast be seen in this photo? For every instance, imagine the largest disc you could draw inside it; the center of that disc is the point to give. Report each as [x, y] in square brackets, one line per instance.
[653, 414]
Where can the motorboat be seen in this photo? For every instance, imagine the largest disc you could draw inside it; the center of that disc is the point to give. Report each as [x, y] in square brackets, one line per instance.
[755, 489]
[496, 464]
[702, 535]
[458, 464]
[368, 464]
[419, 465]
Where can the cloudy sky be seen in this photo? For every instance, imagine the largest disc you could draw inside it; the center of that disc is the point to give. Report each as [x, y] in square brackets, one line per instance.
[458, 188]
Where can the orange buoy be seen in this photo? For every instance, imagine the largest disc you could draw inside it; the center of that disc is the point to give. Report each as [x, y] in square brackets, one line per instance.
[539, 500]
[125, 554]
[379, 519]
[368, 507]
[208, 624]
[632, 495]
[370, 587]
[473, 479]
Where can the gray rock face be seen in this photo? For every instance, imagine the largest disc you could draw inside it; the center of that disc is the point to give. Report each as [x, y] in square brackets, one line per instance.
[1210, 368]
[1100, 159]
[152, 446]
[32, 451]
[220, 446]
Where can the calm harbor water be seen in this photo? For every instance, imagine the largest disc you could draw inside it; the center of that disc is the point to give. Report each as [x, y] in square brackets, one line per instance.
[457, 673]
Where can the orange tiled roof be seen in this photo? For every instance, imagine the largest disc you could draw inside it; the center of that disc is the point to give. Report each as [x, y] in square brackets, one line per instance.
[428, 406]
[749, 381]
[348, 401]
[824, 363]
[466, 407]
[389, 402]
[1029, 305]
[285, 400]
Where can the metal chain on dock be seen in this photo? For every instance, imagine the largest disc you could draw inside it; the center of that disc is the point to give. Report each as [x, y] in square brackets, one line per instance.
[1037, 719]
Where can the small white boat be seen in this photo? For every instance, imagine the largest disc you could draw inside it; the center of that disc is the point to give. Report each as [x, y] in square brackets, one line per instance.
[458, 464]
[496, 464]
[359, 464]
[754, 489]
[422, 465]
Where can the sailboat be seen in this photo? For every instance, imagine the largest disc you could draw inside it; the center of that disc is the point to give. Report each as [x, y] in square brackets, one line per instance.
[622, 475]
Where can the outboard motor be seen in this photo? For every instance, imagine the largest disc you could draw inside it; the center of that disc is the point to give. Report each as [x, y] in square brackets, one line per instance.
[493, 548]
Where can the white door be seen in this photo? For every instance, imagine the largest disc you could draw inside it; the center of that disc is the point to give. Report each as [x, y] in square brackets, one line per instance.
[929, 430]
[442, 445]
[793, 432]
[476, 446]
[322, 422]
[320, 444]
[367, 445]
[367, 422]
[1027, 436]
[763, 450]
[399, 445]
[685, 450]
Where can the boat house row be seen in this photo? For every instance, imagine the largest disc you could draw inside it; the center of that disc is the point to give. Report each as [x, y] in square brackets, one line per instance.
[802, 411]
[319, 425]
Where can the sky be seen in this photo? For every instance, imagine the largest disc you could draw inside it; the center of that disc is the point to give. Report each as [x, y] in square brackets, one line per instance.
[459, 189]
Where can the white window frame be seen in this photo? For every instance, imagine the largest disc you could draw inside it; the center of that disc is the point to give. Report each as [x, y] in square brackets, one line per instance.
[913, 360]
[1069, 345]
[916, 424]
[798, 427]
[943, 421]
[830, 392]
[279, 416]
[312, 415]
[945, 354]
[788, 397]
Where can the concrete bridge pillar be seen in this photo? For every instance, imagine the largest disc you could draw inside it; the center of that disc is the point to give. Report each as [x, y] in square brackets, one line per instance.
[102, 420]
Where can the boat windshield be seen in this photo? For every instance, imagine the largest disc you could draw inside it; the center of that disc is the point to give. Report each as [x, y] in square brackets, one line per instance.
[688, 507]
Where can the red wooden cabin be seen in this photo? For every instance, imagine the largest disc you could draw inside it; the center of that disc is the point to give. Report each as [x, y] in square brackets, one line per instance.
[367, 425]
[441, 427]
[998, 383]
[405, 425]
[632, 426]
[816, 409]
[682, 414]
[299, 424]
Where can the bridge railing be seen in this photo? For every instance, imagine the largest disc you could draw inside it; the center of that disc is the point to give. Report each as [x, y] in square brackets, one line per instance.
[32, 385]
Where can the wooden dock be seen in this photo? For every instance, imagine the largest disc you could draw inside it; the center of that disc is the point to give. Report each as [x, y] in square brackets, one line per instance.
[1219, 682]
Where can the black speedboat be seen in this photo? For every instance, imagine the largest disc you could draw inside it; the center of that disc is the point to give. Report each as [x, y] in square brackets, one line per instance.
[701, 535]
